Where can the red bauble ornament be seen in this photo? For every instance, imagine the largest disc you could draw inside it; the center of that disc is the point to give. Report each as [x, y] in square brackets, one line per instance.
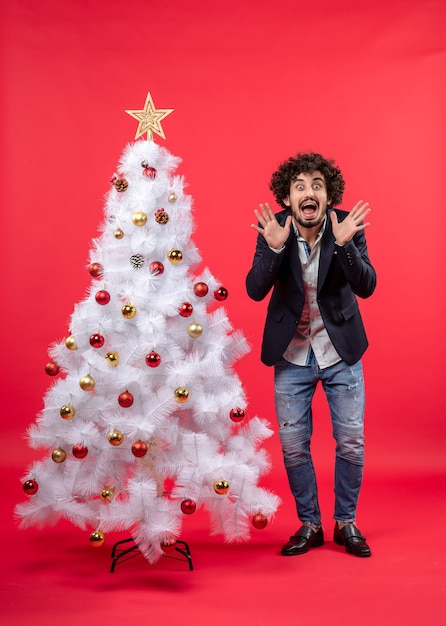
[237, 415]
[168, 545]
[156, 267]
[188, 507]
[96, 270]
[221, 294]
[139, 449]
[153, 359]
[96, 340]
[52, 369]
[30, 487]
[150, 172]
[259, 521]
[102, 297]
[201, 289]
[186, 309]
[125, 399]
[79, 451]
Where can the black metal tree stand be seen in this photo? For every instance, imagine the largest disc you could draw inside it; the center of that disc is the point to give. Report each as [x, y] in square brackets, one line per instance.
[118, 553]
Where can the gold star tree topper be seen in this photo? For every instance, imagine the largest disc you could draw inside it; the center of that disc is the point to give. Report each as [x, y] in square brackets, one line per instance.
[150, 119]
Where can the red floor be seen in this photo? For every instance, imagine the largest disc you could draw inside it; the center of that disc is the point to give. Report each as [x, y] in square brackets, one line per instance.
[53, 575]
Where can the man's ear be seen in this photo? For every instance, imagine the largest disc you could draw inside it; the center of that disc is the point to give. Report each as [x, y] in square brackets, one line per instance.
[286, 201]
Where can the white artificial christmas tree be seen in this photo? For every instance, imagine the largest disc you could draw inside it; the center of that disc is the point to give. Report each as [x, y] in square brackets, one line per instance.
[146, 419]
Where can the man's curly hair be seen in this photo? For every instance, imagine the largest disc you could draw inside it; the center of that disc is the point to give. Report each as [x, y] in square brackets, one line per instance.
[307, 163]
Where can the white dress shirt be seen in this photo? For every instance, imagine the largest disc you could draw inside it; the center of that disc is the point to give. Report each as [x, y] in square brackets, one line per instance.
[311, 332]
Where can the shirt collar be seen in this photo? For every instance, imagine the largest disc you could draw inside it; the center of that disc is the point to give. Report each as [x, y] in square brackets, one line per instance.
[319, 235]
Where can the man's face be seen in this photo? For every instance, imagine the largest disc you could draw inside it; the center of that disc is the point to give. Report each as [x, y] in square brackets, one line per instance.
[308, 199]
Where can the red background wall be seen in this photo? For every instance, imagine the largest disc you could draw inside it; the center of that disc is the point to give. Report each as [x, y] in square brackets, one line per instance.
[251, 83]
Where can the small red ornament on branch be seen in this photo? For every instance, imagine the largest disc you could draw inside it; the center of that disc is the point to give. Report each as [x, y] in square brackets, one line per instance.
[188, 506]
[201, 289]
[221, 294]
[96, 270]
[259, 521]
[52, 369]
[139, 449]
[125, 399]
[153, 359]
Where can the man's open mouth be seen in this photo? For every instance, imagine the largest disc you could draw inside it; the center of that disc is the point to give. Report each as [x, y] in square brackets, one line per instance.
[309, 208]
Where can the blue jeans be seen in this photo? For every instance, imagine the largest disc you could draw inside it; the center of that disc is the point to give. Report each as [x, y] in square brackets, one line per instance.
[344, 389]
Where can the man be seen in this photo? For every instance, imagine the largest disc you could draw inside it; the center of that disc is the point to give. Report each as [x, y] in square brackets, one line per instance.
[314, 258]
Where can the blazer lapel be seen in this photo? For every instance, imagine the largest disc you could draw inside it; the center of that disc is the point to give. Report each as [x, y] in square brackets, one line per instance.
[327, 251]
[294, 262]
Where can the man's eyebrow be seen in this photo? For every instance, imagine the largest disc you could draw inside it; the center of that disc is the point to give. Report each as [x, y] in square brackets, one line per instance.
[296, 178]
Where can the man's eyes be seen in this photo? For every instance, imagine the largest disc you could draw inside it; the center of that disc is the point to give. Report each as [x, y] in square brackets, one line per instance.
[315, 186]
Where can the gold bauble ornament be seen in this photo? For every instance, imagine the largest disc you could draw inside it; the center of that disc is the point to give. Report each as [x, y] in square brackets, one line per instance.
[119, 233]
[139, 218]
[172, 197]
[87, 382]
[175, 256]
[115, 437]
[70, 342]
[59, 455]
[97, 539]
[181, 394]
[128, 311]
[67, 411]
[194, 329]
[107, 494]
[112, 358]
[221, 487]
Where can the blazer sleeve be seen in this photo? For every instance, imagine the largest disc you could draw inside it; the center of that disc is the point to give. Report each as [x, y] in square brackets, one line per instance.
[356, 265]
[265, 267]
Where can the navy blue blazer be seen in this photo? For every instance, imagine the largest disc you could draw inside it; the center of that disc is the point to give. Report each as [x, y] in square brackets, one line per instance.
[344, 273]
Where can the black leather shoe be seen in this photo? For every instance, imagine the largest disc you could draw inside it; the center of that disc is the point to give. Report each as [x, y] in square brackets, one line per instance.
[304, 539]
[351, 537]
